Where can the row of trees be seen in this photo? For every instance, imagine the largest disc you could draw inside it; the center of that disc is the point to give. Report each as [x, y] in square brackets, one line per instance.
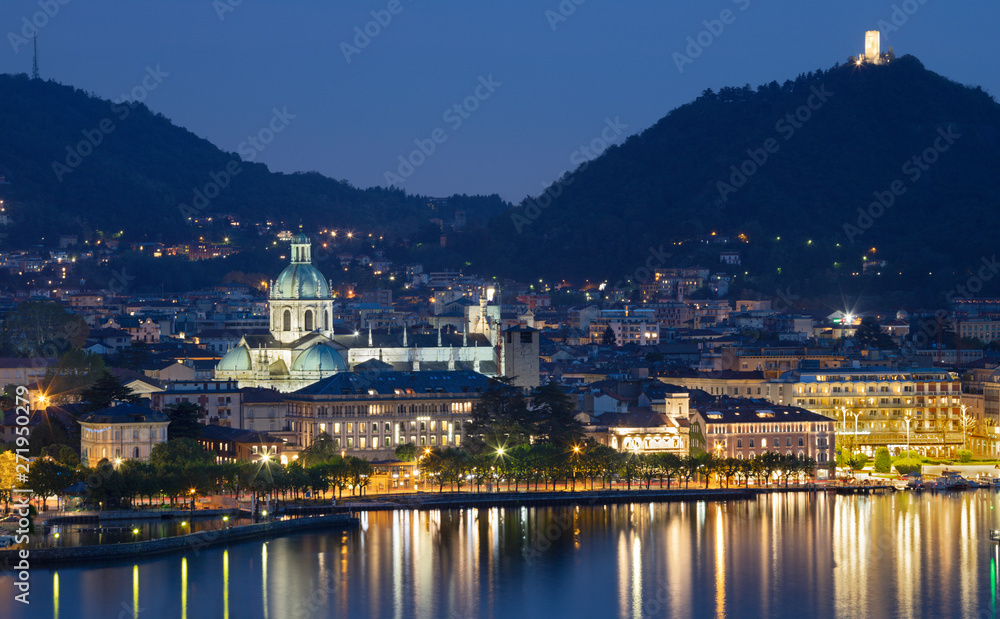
[181, 470]
[540, 465]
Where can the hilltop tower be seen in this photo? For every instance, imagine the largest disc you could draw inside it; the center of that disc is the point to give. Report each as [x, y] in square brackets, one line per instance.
[873, 47]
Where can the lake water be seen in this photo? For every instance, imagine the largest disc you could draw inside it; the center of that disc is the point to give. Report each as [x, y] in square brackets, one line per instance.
[794, 555]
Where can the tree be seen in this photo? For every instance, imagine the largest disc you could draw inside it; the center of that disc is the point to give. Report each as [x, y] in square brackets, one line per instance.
[180, 452]
[869, 334]
[728, 468]
[76, 370]
[42, 328]
[964, 455]
[49, 478]
[608, 337]
[672, 464]
[322, 450]
[554, 416]
[858, 461]
[500, 418]
[407, 452]
[8, 475]
[185, 420]
[883, 460]
[106, 391]
[905, 466]
[63, 454]
[50, 431]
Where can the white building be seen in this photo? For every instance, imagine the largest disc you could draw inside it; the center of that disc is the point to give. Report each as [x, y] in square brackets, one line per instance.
[123, 432]
[303, 347]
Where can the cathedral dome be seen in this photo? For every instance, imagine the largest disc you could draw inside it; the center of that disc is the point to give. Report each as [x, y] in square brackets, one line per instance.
[319, 358]
[236, 360]
[300, 281]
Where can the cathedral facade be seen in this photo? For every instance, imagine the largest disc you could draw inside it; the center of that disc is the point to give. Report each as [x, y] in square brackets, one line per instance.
[303, 346]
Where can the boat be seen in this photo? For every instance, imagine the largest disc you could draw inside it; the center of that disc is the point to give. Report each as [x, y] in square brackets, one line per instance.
[954, 481]
[901, 483]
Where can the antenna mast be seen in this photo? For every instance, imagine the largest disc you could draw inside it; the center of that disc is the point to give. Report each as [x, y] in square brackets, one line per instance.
[34, 65]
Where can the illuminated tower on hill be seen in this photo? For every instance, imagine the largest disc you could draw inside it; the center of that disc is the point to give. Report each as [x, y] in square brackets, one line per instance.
[873, 46]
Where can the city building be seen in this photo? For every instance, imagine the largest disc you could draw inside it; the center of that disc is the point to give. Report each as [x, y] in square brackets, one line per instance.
[369, 414]
[303, 347]
[236, 445]
[122, 432]
[743, 428]
[880, 407]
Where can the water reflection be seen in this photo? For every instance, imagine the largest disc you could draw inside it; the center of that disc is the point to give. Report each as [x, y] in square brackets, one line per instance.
[905, 555]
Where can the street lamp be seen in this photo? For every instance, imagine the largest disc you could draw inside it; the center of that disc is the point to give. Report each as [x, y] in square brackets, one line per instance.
[908, 417]
[576, 456]
[856, 415]
[964, 422]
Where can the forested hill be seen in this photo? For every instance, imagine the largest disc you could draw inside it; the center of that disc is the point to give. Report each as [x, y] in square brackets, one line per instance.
[853, 131]
[75, 163]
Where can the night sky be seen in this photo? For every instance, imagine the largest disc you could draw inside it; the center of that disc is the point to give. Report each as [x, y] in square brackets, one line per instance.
[557, 77]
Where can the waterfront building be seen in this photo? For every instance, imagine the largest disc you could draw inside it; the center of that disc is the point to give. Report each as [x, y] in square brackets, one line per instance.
[743, 428]
[370, 413]
[880, 407]
[122, 432]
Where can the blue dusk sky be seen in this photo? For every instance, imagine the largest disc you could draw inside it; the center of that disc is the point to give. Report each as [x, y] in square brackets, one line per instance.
[534, 80]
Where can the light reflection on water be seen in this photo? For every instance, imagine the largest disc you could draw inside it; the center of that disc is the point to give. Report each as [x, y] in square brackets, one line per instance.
[902, 555]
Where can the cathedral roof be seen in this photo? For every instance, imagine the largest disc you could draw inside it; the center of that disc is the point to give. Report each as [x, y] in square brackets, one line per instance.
[300, 281]
[236, 360]
[319, 358]
[397, 383]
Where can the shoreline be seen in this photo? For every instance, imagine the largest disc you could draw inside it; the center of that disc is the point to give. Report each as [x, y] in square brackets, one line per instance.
[192, 541]
[342, 516]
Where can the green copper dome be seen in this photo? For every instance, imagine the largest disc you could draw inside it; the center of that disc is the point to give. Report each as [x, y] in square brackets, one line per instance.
[320, 358]
[300, 281]
[236, 360]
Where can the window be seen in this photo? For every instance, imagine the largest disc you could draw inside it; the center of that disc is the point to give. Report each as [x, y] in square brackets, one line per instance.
[388, 427]
[801, 442]
[350, 427]
[135, 452]
[788, 442]
[350, 442]
[763, 443]
[751, 443]
[309, 320]
[423, 441]
[287, 321]
[739, 443]
[361, 442]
